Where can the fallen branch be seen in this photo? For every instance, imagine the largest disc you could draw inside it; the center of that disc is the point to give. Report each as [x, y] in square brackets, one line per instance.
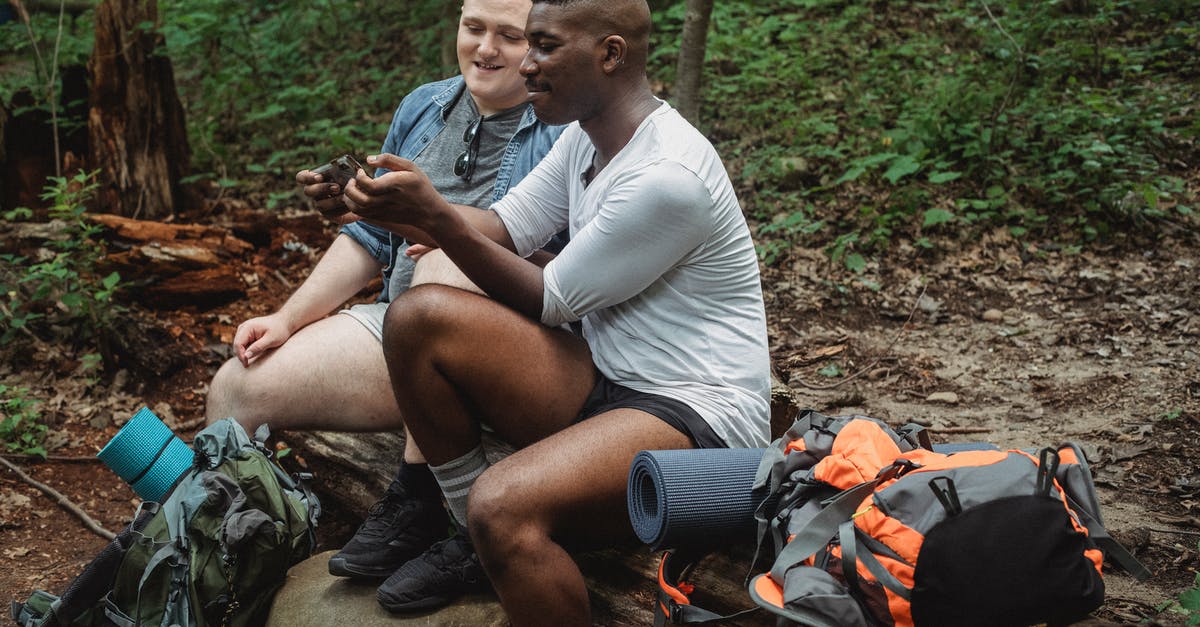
[62, 500]
[85, 459]
[1183, 532]
[282, 279]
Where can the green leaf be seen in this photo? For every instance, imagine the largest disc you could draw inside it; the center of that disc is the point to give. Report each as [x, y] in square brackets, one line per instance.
[851, 174]
[901, 167]
[1190, 599]
[832, 370]
[937, 178]
[934, 217]
[855, 262]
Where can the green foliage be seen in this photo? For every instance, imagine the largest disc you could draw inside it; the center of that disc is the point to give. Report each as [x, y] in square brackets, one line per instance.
[1174, 414]
[1059, 120]
[272, 88]
[846, 126]
[29, 59]
[21, 430]
[60, 291]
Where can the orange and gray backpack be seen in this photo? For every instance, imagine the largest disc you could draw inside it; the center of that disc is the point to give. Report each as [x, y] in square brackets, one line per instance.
[872, 527]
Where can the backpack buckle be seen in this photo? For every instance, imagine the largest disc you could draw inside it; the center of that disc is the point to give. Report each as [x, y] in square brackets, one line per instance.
[674, 614]
[896, 469]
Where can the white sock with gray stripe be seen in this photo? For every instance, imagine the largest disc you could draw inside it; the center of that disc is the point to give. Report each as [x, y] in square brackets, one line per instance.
[456, 477]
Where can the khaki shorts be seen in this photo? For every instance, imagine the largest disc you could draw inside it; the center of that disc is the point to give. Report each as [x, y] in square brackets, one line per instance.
[370, 316]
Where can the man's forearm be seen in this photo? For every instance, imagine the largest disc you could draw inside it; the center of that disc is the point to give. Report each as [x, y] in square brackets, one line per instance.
[481, 247]
[486, 222]
[343, 270]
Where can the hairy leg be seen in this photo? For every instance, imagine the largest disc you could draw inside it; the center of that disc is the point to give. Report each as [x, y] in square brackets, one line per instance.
[435, 267]
[567, 487]
[329, 375]
[457, 359]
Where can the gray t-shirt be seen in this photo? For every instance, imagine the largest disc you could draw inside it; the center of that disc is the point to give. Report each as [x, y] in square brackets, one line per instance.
[437, 160]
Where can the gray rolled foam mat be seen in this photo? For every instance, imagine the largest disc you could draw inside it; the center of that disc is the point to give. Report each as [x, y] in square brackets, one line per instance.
[693, 498]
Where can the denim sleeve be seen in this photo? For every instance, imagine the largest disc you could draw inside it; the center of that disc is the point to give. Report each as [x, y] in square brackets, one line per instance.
[373, 239]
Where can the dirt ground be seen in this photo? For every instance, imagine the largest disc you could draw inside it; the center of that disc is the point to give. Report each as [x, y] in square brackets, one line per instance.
[990, 342]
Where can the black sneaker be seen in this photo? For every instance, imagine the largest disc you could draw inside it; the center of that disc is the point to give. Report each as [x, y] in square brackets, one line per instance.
[449, 569]
[398, 528]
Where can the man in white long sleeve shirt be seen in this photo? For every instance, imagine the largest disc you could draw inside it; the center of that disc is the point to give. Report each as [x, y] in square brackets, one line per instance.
[660, 272]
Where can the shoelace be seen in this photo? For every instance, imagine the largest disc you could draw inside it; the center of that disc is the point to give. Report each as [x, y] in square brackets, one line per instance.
[452, 550]
[383, 514]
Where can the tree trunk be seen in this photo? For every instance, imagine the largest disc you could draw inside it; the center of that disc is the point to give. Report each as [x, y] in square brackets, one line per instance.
[690, 68]
[449, 37]
[135, 120]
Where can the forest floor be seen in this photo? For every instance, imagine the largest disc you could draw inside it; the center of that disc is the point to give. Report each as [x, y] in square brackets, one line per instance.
[988, 342]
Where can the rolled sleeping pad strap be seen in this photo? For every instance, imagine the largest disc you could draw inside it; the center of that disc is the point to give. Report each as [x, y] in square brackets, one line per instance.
[693, 497]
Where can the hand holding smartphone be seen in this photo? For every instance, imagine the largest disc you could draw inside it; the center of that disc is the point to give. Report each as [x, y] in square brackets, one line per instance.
[339, 171]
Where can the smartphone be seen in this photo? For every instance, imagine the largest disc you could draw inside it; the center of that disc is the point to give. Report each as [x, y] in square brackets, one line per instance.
[340, 170]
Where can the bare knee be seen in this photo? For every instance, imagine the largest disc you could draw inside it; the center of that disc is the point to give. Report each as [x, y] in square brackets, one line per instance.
[226, 396]
[413, 319]
[499, 525]
[223, 391]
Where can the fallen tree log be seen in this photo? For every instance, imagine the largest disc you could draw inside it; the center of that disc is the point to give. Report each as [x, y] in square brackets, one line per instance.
[175, 265]
[622, 585]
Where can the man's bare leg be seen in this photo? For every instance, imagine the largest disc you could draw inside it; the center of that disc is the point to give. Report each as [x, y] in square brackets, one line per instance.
[436, 268]
[331, 375]
[475, 360]
[328, 375]
[568, 488]
[457, 359]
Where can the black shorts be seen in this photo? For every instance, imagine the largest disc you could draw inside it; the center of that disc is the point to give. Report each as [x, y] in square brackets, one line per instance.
[607, 396]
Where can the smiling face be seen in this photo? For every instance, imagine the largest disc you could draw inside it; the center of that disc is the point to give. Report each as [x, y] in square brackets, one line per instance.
[491, 44]
[563, 67]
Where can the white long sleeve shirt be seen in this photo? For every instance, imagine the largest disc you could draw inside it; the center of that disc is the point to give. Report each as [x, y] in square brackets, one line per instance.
[660, 269]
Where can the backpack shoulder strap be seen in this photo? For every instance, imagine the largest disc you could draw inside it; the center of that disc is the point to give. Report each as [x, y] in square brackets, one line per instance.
[822, 528]
[1075, 479]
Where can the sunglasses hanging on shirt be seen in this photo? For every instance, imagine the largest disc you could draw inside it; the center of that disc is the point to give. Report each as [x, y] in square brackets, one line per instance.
[464, 165]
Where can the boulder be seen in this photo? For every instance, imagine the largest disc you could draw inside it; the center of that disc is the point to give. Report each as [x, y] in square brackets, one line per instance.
[622, 583]
[311, 597]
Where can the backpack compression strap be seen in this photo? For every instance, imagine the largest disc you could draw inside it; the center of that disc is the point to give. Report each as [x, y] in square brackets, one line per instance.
[822, 528]
[673, 606]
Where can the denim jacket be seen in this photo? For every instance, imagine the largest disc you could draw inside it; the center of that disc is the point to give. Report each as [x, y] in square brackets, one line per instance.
[418, 119]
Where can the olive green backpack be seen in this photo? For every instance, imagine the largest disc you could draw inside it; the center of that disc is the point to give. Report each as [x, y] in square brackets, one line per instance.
[214, 552]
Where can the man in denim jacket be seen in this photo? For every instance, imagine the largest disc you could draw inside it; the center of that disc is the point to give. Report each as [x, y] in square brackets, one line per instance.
[300, 368]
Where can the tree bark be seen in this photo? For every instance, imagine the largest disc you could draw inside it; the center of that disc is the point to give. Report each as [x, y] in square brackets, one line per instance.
[449, 36]
[690, 67]
[135, 120]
